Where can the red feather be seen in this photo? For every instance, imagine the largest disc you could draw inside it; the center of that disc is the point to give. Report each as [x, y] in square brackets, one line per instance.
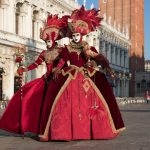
[91, 17]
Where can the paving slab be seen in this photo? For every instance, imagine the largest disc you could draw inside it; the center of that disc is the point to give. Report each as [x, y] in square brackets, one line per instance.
[135, 137]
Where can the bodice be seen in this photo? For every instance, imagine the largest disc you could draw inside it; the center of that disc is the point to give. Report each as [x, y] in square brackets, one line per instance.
[76, 56]
[50, 56]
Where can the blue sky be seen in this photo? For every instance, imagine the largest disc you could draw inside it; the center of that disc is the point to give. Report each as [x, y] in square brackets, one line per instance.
[89, 2]
[146, 22]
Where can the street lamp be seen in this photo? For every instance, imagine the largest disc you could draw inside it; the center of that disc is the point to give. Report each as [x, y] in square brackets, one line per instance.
[123, 77]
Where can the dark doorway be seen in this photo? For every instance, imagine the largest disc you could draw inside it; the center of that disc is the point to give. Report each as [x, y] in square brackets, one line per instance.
[1, 83]
[17, 83]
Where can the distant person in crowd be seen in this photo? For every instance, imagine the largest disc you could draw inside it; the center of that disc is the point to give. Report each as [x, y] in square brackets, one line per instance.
[147, 96]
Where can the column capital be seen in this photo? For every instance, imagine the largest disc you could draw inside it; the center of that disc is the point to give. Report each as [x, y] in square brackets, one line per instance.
[38, 15]
[22, 8]
[4, 3]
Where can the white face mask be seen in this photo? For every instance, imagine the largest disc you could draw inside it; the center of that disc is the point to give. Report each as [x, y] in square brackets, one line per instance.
[76, 37]
[49, 43]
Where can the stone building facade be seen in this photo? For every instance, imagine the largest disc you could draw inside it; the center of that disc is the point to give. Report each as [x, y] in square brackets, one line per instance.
[142, 80]
[115, 46]
[20, 23]
[129, 14]
[147, 65]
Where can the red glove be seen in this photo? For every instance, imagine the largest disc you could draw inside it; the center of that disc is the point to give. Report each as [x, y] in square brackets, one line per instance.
[21, 70]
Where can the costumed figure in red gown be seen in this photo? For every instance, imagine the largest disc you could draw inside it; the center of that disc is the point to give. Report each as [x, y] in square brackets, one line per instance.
[85, 106]
[24, 115]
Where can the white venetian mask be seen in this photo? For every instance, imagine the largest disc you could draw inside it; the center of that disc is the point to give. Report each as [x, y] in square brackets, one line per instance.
[76, 37]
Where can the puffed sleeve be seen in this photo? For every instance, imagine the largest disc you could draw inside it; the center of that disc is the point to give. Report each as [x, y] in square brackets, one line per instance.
[38, 61]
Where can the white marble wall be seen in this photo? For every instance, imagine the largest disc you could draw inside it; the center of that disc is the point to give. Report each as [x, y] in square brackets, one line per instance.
[19, 24]
[115, 46]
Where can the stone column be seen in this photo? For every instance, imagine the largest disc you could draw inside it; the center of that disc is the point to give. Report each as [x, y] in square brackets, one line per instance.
[22, 22]
[109, 52]
[104, 48]
[119, 88]
[35, 32]
[127, 87]
[126, 60]
[12, 74]
[1, 19]
[123, 57]
[113, 54]
[11, 17]
[38, 17]
[4, 5]
[118, 56]
[8, 78]
[5, 16]
[39, 25]
[28, 20]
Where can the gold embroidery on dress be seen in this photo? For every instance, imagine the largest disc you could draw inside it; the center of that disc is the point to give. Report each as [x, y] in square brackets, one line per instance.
[72, 49]
[86, 86]
[78, 47]
[50, 56]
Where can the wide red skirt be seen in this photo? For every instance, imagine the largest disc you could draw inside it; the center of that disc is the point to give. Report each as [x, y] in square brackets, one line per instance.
[71, 108]
[80, 111]
[23, 115]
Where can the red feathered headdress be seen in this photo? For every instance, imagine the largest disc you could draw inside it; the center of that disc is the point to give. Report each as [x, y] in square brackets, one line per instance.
[53, 28]
[84, 21]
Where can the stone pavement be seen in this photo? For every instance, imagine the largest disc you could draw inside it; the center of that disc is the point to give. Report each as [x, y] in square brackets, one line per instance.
[135, 137]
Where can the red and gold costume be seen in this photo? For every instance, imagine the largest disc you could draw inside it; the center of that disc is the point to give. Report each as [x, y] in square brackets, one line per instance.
[85, 106]
[80, 104]
[31, 106]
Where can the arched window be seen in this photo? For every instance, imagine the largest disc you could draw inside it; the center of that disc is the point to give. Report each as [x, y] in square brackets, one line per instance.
[34, 25]
[4, 14]
[17, 18]
[37, 23]
[21, 13]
